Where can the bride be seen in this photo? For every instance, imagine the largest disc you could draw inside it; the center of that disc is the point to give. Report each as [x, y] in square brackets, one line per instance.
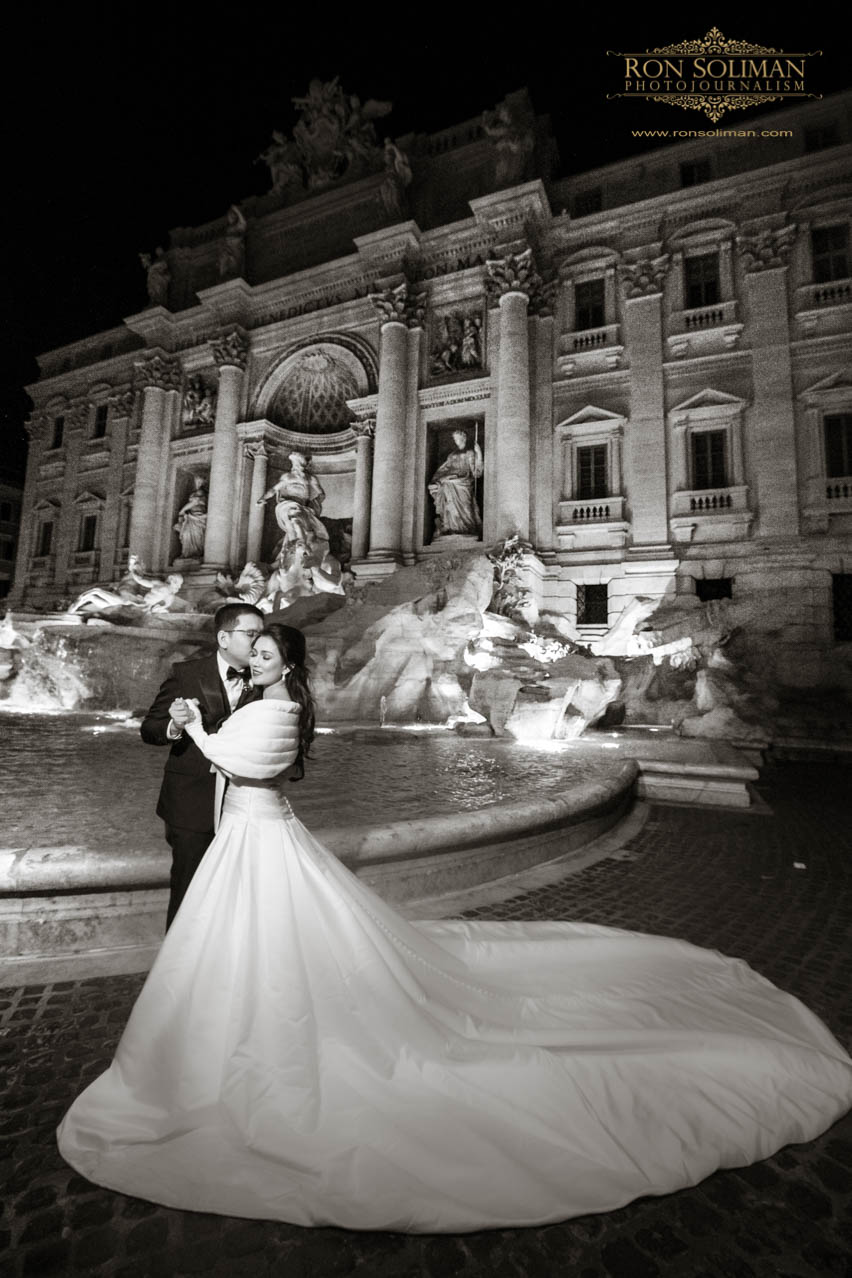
[300, 1052]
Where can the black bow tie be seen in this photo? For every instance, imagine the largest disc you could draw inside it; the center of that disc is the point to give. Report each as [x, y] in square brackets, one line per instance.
[231, 673]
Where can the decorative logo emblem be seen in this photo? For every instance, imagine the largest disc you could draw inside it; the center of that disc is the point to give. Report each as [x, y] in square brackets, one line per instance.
[715, 75]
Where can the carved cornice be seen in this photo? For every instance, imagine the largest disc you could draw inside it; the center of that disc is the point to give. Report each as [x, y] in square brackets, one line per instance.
[455, 393]
[230, 348]
[161, 372]
[122, 402]
[400, 305]
[645, 277]
[766, 249]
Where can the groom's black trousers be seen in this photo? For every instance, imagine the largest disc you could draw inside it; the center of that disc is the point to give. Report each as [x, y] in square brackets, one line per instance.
[188, 847]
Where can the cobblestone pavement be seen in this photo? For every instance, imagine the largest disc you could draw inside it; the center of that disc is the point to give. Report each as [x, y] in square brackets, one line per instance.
[726, 880]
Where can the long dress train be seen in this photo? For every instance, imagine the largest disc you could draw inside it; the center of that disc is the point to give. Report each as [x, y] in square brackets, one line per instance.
[300, 1052]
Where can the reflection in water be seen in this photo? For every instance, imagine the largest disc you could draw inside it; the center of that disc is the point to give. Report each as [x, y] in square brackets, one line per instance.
[88, 780]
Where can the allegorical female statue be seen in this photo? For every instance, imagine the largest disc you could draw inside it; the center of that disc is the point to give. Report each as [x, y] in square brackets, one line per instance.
[192, 521]
[452, 489]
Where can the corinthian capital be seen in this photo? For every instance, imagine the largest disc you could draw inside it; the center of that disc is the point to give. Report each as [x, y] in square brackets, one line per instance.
[644, 277]
[364, 429]
[161, 371]
[230, 348]
[516, 273]
[400, 305]
[766, 249]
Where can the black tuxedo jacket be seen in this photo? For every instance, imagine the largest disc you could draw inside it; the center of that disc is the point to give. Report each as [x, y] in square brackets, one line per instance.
[187, 793]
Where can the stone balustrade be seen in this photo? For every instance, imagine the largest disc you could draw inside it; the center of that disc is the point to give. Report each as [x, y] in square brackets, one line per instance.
[709, 501]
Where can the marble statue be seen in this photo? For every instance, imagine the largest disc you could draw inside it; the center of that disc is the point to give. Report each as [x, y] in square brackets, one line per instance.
[284, 162]
[192, 521]
[199, 403]
[158, 276]
[458, 344]
[398, 178]
[160, 595]
[232, 247]
[298, 502]
[335, 135]
[154, 596]
[510, 129]
[452, 489]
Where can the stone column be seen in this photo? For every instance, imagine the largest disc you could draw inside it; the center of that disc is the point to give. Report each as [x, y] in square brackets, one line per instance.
[29, 522]
[646, 442]
[259, 459]
[542, 493]
[76, 421]
[230, 350]
[156, 376]
[398, 312]
[364, 432]
[514, 281]
[121, 406]
[772, 428]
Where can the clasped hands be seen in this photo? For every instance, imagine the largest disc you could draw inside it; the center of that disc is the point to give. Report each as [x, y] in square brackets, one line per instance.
[183, 711]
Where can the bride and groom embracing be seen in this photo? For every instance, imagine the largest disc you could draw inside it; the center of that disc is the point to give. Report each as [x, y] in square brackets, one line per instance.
[301, 1052]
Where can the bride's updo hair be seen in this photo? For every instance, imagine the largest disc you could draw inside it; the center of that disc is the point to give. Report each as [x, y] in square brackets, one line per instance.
[292, 649]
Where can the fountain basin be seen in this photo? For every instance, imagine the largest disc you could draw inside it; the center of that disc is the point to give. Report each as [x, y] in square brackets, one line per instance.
[83, 878]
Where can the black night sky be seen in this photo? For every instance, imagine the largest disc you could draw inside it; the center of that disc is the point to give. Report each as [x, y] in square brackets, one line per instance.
[124, 121]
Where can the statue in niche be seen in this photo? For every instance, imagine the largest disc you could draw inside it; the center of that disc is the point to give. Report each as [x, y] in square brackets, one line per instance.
[284, 162]
[192, 521]
[232, 248]
[298, 502]
[158, 276]
[458, 346]
[453, 489]
[397, 178]
[510, 128]
[335, 135]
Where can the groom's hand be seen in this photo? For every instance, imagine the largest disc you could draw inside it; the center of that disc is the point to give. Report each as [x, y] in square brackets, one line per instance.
[180, 714]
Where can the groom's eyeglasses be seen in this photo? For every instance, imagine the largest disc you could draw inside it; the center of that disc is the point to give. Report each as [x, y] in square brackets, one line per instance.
[252, 634]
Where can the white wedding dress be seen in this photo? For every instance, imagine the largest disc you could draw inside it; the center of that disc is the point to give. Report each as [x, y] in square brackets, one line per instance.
[300, 1052]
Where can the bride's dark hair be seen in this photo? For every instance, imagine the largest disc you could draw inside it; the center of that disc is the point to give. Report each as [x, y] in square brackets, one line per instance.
[292, 649]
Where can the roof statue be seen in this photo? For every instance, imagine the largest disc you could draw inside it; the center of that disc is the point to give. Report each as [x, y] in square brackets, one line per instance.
[333, 139]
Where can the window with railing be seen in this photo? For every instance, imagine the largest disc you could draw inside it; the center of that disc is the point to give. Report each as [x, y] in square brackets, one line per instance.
[838, 445]
[701, 281]
[589, 305]
[830, 253]
[707, 449]
[592, 479]
[592, 604]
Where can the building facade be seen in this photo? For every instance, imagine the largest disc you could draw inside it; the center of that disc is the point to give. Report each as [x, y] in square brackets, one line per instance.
[11, 492]
[652, 357]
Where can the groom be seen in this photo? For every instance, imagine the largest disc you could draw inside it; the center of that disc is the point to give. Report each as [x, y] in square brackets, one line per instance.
[221, 684]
